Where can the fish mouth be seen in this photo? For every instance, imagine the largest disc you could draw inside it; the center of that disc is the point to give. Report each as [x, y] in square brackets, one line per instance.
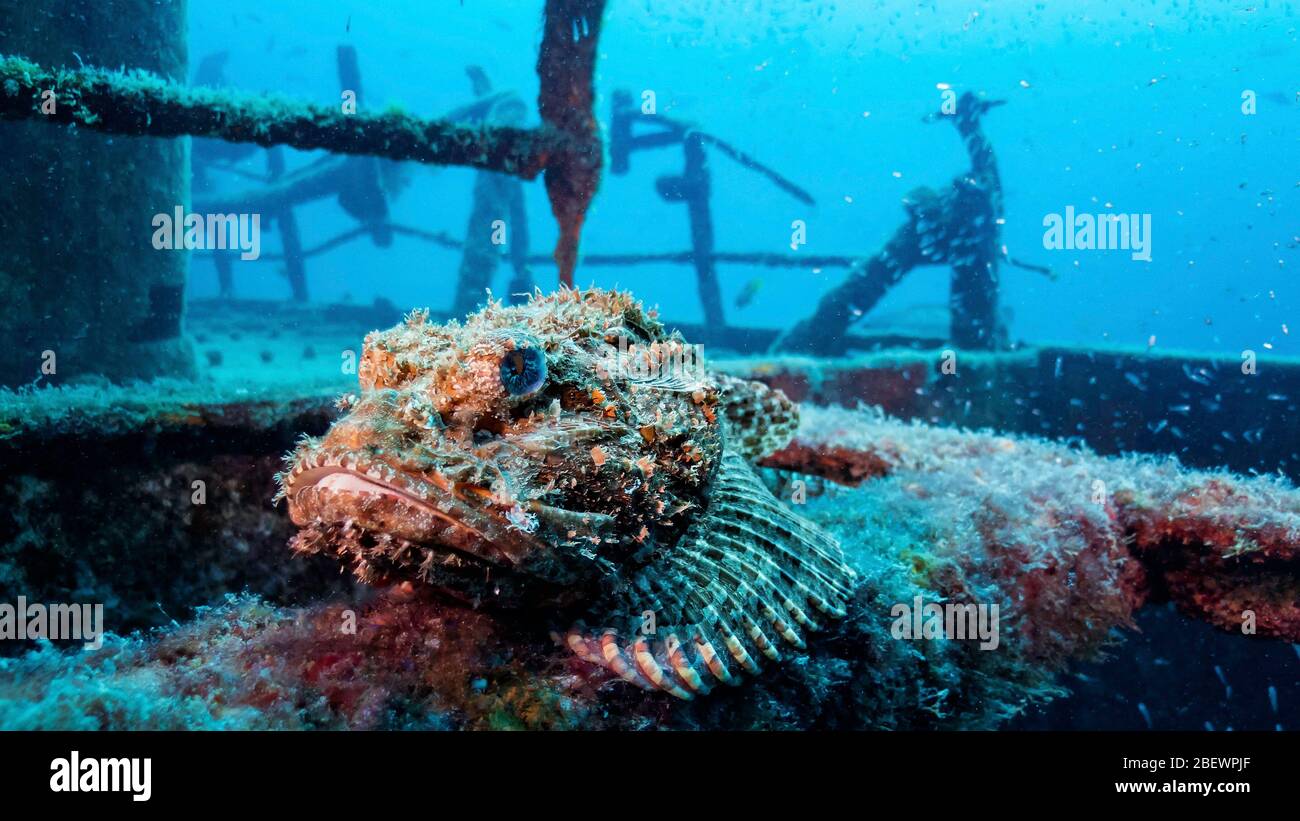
[398, 509]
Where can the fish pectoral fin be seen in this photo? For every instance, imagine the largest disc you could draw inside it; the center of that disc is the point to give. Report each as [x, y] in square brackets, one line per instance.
[760, 420]
[742, 581]
[648, 662]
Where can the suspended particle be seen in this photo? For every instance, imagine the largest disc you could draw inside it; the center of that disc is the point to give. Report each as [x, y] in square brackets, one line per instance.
[1146, 715]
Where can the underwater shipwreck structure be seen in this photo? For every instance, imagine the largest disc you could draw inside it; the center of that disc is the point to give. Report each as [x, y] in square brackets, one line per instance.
[152, 101]
[180, 538]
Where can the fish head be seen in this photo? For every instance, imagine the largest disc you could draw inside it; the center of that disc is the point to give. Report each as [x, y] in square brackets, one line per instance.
[530, 450]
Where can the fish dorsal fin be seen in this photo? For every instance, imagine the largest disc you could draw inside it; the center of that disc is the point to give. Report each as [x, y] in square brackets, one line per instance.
[746, 576]
[666, 365]
[760, 419]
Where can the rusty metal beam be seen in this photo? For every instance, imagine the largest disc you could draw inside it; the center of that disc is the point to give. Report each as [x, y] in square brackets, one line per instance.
[566, 66]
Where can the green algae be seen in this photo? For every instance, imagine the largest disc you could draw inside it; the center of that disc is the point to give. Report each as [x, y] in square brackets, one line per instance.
[102, 409]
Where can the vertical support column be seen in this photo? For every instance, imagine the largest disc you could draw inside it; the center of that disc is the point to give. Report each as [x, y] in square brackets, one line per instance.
[85, 290]
[225, 274]
[496, 197]
[566, 63]
[693, 188]
[698, 189]
[361, 192]
[479, 257]
[478, 260]
[295, 266]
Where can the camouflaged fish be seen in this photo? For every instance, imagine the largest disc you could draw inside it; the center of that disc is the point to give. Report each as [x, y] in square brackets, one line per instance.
[568, 454]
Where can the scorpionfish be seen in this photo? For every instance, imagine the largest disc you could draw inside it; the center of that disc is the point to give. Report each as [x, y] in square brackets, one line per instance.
[572, 456]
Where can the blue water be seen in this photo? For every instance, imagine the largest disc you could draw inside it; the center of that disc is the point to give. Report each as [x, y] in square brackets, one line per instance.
[1138, 105]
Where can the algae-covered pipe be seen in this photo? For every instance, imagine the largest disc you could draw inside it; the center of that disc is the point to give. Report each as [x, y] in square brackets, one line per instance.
[140, 103]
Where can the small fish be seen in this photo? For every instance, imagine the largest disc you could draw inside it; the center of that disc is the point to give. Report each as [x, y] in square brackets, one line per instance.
[1199, 376]
[747, 293]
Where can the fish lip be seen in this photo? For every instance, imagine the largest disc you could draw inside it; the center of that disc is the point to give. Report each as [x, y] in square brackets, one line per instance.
[312, 477]
[437, 498]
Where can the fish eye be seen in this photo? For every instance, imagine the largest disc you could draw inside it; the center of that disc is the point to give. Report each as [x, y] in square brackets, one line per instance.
[523, 371]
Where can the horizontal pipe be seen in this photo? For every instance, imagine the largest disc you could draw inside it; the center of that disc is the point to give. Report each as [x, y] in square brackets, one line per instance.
[142, 104]
[759, 258]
